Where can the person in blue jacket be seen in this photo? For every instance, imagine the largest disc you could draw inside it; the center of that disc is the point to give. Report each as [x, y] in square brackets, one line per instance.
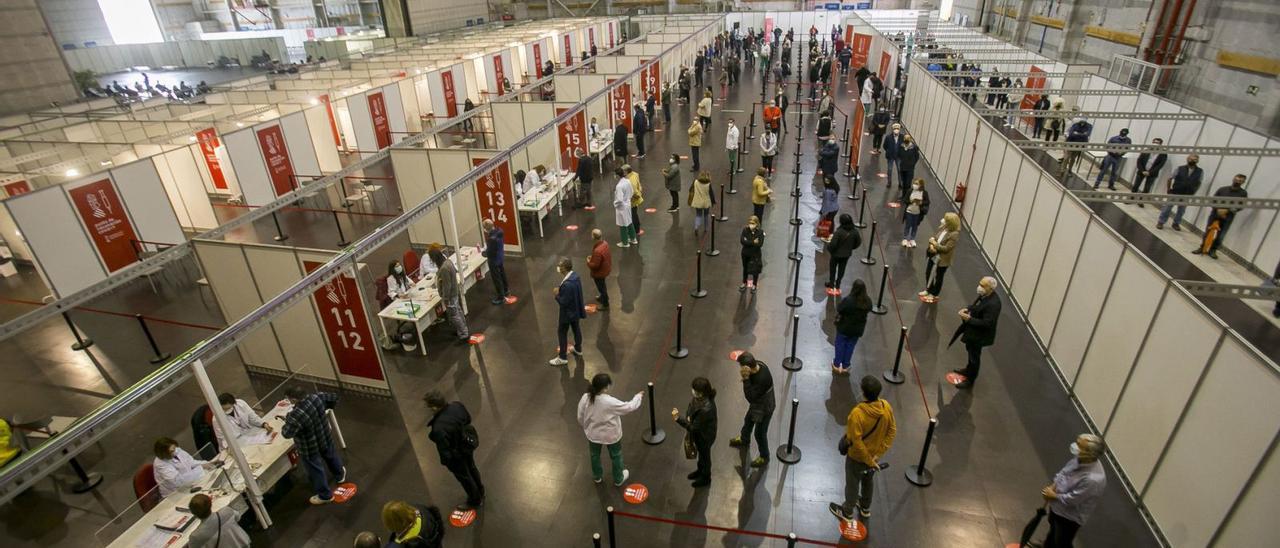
[494, 253]
[569, 296]
[639, 127]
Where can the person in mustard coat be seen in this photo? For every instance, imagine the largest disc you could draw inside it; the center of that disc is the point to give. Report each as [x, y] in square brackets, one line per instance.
[695, 143]
[760, 192]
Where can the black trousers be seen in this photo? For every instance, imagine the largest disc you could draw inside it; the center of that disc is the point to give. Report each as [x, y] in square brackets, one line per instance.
[1062, 532]
[755, 278]
[693, 153]
[464, 469]
[640, 144]
[635, 219]
[499, 275]
[758, 211]
[761, 429]
[876, 139]
[703, 471]
[602, 289]
[1037, 127]
[936, 286]
[562, 335]
[767, 162]
[1142, 183]
[835, 270]
[975, 361]
[904, 185]
[675, 199]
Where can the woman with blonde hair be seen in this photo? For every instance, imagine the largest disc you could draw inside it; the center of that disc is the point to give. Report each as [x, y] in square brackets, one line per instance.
[942, 248]
[413, 526]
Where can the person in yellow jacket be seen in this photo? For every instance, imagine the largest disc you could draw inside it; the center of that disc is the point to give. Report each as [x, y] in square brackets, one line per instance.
[695, 143]
[637, 198]
[868, 435]
[8, 449]
[760, 193]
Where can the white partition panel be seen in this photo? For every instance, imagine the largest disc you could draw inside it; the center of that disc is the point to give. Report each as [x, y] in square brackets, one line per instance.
[245, 159]
[508, 123]
[1235, 413]
[231, 281]
[1009, 174]
[998, 153]
[299, 335]
[1030, 179]
[53, 233]
[322, 137]
[416, 188]
[1176, 350]
[143, 194]
[1255, 513]
[362, 125]
[983, 154]
[447, 166]
[1095, 268]
[1059, 260]
[302, 152]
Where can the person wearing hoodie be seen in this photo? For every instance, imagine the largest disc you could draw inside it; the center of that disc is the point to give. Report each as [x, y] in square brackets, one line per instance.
[600, 415]
[412, 526]
[700, 423]
[844, 240]
[869, 433]
[851, 322]
[757, 388]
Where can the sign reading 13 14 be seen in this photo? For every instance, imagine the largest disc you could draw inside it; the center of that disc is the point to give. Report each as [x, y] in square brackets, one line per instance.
[497, 200]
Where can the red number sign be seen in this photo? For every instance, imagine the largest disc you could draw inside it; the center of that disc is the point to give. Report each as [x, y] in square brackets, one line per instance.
[573, 138]
[378, 112]
[885, 61]
[208, 139]
[450, 93]
[346, 326]
[498, 200]
[768, 28]
[568, 51]
[498, 73]
[17, 187]
[537, 59]
[861, 48]
[279, 168]
[848, 34]
[620, 104]
[104, 216]
[651, 78]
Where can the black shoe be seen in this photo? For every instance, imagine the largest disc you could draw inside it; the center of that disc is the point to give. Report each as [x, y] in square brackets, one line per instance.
[692, 475]
[1213, 254]
[497, 300]
[958, 372]
[1176, 228]
[966, 384]
[838, 511]
[702, 482]
[1111, 188]
[1196, 251]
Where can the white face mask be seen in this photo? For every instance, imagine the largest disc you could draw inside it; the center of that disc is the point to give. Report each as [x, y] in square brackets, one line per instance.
[916, 187]
[982, 290]
[673, 162]
[694, 392]
[399, 269]
[1075, 449]
[895, 132]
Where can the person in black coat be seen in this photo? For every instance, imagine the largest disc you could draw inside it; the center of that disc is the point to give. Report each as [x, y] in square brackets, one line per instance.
[757, 387]
[639, 126]
[450, 427]
[879, 125]
[829, 156]
[851, 322]
[569, 296]
[1149, 169]
[908, 155]
[844, 240]
[752, 239]
[1038, 125]
[861, 77]
[586, 173]
[701, 424]
[978, 329]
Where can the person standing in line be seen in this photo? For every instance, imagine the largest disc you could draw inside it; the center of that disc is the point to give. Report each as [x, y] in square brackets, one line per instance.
[1075, 491]
[844, 239]
[824, 129]
[772, 117]
[410, 526]
[877, 89]
[700, 423]
[868, 434]
[724, 84]
[851, 322]
[699, 63]
[978, 329]
[908, 155]
[1078, 132]
[671, 178]
[732, 138]
[768, 148]
[761, 194]
[586, 174]
[1037, 125]
[1221, 215]
[867, 96]
[1148, 169]
[217, 529]
[308, 427]
[600, 263]
[830, 202]
[917, 208]
[450, 294]
[704, 110]
[764, 58]
[941, 251]
[1014, 105]
[622, 208]
[639, 126]
[1184, 182]
[701, 198]
[826, 105]
[666, 105]
[456, 443]
[829, 157]
[695, 143]
[494, 253]
[879, 124]
[1057, 119]
[892, 148]
[600, 415]
[621, 149]
[783, 103]
[752, 239]
[637, 198]
[1111, 162]
[757, 388]
[650, 107]
[569, 296]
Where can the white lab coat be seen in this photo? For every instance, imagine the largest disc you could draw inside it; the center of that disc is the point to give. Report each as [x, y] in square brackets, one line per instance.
[178, 473]
[868, 93]
[395, 290]
[602, 421]
[622, 202]
[731, 138]
[243, 419]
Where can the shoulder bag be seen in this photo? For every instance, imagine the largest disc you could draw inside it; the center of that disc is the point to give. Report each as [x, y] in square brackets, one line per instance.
[844, 444]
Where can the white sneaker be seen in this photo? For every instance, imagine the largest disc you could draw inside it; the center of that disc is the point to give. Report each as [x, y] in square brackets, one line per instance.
[923, 293]
[316, 500]
[912, 243]
[623, 244]
[905, 243]
[343, 477]
[625, 474]
[557, 361]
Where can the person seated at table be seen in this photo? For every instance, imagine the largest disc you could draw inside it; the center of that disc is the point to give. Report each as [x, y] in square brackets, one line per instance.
[8, 449]
[243, 419]
[217, 529]
[593, 129]
[175, 469]
[537, 176]
[398, 282]
[425, 266]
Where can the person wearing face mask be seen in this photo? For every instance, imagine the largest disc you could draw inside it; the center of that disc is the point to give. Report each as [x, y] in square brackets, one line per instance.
[1075, 491]
[637, 198]
[917, 208]
[600, 416]
[700, 423]
[1148, 169]
[907, 158]
[447, 287]
[671, 176]
[398, 283]
[757, 388]
[732, 138]
[768, 148]
[569, 296]
[879, 124]
[761, 194]
[978, 329]
[639, 126]
[622, 193]
[869, 433]
[701, 198]
[1037, 123]
[1078, 132]
[752, 239]
[941, 251]
[695, 143]
[1184, 182]
[1222, 216]
[839, 248]
[243, 419]
[175, 469]
[829, 157]
[1112, 160]
[892, 146]
[851, 322]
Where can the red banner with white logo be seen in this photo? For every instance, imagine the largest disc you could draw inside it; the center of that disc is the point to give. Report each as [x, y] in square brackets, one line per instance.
[861, 48]
[499, 73]
[1029, 100]
[279, 168]
[208, 140]
[848, 34]
[497, 200]
[17, 187]
[573, 138]
[537, 59]
[568, 51]
[450, 93]
[346, 326]
[620, 105]
[378, 113]
[104, 217]
[651, 79]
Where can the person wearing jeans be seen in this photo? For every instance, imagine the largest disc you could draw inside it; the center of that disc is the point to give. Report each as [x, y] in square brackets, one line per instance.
[569, 297]
[917, 208]
[1184, 182]
[308, 427]
[600, 416]
[450, 294]
[757, 387]
[701, 198]
[1111, 162]
[851, 321]
[494, 252]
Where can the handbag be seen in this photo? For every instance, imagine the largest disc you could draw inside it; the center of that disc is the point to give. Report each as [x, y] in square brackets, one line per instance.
[844, 443]
[690, 450]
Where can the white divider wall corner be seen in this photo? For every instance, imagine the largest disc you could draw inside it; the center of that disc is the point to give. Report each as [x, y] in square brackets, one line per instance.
[45, 219]
[296, 330]
[231, 280]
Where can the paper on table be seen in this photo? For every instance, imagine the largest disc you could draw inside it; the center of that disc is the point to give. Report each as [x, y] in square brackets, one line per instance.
[258, 437]
[156, 538]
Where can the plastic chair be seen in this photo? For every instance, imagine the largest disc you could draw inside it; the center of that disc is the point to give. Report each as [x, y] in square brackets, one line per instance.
[202, 432]
[145, 487]
[410, 262]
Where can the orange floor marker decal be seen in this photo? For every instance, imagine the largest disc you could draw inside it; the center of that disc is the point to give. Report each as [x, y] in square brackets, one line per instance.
[734, 355]
[571, 227]
[462, 519]
[344, 492]
[955, 378]
[511, 299]
[635, 493]
[853, 530]
[476, 339]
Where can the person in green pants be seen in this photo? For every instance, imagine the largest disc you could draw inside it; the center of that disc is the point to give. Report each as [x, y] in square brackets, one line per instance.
[600, 416]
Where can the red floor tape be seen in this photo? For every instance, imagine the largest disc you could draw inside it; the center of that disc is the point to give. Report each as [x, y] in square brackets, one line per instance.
[635, 493]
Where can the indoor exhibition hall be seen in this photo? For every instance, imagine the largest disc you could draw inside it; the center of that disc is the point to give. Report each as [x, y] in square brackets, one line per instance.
[254, 283]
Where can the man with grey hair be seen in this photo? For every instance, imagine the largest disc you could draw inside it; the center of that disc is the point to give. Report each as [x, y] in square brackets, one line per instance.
[978, 328]
[1075, 491]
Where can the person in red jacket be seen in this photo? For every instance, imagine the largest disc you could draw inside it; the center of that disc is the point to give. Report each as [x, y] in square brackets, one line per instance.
[600, 263]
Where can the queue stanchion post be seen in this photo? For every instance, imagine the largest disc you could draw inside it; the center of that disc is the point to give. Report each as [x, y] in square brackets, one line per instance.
[794, 300]
[848, 149]
[791, 540]
[713, 251]
[792, 363]
[917, 474]
[345, 203]
[280, 235]
[853, 190]
[795, 203]
[678, 351]
[796, 170]
[342, 238]
[871, 241]
[613, 533]
[880, 309]
[862, 210]
[698, 292]
[722, 218]
[733, 175]
[87, 480]
[654, 435]
[788, 452]
[894, 375]
[595, 540]
[795, 244]
[160, 357]
[751, 128]
[81, 342]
